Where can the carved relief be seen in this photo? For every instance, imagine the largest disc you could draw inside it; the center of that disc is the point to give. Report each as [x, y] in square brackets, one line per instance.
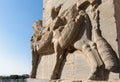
[70, 30]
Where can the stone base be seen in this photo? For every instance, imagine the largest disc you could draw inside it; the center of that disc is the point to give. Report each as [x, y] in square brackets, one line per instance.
[36, 80]
[60, 80]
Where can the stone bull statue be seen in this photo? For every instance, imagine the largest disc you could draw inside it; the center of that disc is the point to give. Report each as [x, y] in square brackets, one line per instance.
[72, 30]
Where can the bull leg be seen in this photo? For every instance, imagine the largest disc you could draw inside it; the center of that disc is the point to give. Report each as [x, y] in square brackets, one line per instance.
[96, 63]
[106, 52]
[94, 59]
[35, 60]
[58, 66]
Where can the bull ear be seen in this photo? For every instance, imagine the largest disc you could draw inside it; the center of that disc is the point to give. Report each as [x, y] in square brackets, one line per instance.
[82, 5]
[55, 11]
[93, 2]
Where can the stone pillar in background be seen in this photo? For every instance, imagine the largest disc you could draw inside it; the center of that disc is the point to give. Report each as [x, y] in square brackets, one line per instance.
[75, 64]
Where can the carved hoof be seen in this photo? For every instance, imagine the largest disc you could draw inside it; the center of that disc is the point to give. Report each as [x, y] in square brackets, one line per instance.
[55, 75]
[99, 74]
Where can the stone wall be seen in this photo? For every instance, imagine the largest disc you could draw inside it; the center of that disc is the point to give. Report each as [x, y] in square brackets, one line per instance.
[76, 66]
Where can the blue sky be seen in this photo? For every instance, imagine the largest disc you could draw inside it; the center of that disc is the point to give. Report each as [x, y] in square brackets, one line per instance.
[16, 19]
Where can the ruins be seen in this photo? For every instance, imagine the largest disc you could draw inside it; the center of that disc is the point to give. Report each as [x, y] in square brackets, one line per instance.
[77, 39]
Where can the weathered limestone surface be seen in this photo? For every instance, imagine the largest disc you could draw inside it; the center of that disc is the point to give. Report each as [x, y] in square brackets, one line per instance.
[38, 80]
[92, 52]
